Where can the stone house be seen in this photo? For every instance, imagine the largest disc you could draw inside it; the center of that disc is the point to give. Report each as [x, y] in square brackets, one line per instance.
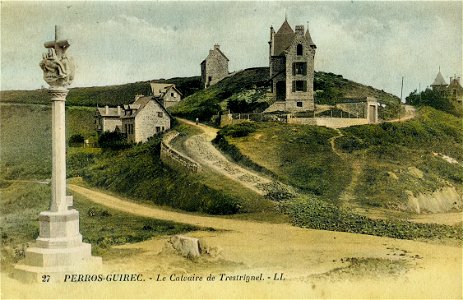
[291, 61]
[214, 68]
[144, 118]
[166, 93]
[454, 90]
[108, 119]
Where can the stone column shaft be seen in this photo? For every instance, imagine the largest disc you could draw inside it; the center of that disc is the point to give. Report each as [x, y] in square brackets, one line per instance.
[58, 198]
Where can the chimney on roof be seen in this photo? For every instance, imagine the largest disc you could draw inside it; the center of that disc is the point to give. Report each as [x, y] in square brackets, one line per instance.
[118, 110]
[299, 29]
[106, 109]
[216, 47]
[138, 97]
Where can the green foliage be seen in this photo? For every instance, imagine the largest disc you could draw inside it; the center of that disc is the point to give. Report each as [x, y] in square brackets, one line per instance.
[113, 140]
[139, 173]
[238, 130]
[78, 159]
[433, 98]
[432, 130]
[318, 214]
[76, 139]
[101, 95]
[297, 155]
[393, 148]
[206, 103]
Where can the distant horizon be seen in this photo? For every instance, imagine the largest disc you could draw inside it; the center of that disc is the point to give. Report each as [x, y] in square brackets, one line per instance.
[115, 43]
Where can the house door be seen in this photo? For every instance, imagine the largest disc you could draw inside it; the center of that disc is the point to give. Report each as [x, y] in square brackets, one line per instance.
[281, 90]
[371, 114]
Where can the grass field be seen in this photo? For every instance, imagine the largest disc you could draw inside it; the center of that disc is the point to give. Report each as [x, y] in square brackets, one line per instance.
[25, 138]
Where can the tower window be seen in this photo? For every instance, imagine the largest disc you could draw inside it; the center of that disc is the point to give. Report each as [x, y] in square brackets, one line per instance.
[300, 68]
[299, 104]
[299, 50]
[299, 86]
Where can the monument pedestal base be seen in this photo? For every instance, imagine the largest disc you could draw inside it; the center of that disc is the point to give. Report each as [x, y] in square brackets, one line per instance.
[58, 250]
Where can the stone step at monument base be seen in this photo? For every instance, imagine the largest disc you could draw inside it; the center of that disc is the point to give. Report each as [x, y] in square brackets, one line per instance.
[45, 257]
[77, 264]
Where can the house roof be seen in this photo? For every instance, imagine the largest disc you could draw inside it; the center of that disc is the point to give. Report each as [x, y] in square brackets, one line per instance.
[160, 89]
[285, 28]
[309, 38]
[220, 52]
[140, 103]
[285, 37]
[455, 84]
[112, 112]
[439, 80]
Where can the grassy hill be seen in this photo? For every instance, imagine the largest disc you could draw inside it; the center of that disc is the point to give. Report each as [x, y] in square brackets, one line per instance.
[381, 163]
[251, 85]
[102, 95]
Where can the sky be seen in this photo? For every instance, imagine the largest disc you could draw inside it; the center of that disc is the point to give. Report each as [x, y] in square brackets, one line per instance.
[373, 43]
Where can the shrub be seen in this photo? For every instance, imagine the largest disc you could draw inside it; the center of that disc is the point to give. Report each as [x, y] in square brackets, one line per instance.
[76, 139]
[238, 130]
[318, 214]
[113, 140]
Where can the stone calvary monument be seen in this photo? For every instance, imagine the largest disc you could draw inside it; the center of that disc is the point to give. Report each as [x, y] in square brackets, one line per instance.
[59, 248]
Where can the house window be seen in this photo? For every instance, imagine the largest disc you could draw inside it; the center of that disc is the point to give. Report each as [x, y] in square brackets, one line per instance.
[300, 68]
[210, 79]
[299, 104]
[160, 114]
[172, 95]
[299, 50]
[158, 129]
[299, 86]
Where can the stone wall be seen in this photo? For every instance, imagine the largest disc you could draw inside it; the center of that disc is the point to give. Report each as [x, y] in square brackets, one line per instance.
[306, 97]
[150, 120]
[174, 158]
[329, 122]
[110, 124]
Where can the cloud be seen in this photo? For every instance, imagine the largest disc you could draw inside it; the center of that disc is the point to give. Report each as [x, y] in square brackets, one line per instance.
[375, 43]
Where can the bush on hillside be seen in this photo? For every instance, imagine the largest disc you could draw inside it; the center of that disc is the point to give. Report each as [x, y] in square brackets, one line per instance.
[76, 139]
[238, 130]
[114, 140]
[433, 98]
[318, 214]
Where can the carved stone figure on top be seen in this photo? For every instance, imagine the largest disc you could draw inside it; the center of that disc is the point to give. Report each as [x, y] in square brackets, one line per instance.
[58, 68]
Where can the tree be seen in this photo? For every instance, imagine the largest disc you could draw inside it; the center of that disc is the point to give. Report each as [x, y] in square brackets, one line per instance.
[434, 98]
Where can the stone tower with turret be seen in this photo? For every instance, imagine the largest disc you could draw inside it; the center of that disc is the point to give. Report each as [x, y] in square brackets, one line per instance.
[291, 60]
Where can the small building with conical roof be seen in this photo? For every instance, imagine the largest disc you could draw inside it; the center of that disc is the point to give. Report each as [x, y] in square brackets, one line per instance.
[291, 62]
[439, 83]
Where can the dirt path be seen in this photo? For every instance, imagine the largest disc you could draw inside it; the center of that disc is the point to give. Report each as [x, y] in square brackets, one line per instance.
[253, 248]
[347, 197]
[200, 149]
